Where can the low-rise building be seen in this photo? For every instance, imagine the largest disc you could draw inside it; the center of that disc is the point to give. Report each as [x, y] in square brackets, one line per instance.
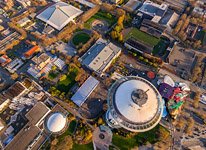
[194, 32]
[100, 56]
[28, 54]
[132, 5]
[23, 120]
[150, 9]
[13, 66]
[4, 60]
[31, 136]
[24, 3]
[135, 45]
[152, 28]
[43, 65]
[158, 14]
[84, 91]
[23, 22]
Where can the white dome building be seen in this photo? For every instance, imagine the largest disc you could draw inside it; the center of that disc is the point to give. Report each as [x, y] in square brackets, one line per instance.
[134, 104]
[56, 122]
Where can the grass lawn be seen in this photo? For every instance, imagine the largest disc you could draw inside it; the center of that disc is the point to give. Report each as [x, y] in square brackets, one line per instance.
[139, 139]
[80, 38]
[65, 85]
[204, 37]
[82, 147]
[101, 16]
[52, 75]
[72, 126]
[142, 36]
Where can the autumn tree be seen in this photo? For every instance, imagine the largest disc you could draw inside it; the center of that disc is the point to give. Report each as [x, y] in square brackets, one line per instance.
[197, 44]
[196, 99]
[63, 77]
[178, 27]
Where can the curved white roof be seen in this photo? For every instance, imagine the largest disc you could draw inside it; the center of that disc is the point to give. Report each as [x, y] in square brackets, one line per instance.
[59, 14]
[135, 104]
[56, 122]
[167, 79]
[129, 109]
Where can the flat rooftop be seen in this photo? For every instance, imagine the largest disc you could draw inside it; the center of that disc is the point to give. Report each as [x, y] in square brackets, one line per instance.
[30, 134]
[24, 138]
[84, 91]
[100, 55]
[37, 113]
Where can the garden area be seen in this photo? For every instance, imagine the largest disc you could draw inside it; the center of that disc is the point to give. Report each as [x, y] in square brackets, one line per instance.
[66, 81]
[83, 146]
[80, 38]
[152, 136]
[109, 18]
[142, 37]
[53, 73]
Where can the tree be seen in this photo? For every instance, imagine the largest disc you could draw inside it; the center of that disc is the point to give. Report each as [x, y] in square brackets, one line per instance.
[120, 12]
[197, 44]
[14, 76]
[118, 28]
[114, 34]
[65, 144]
[100, 121]
[63, 77]
[62, 95]
[184, 16]
[54, 68]
[53, 51]
[178, 27]
[196, 99]
[120, 39]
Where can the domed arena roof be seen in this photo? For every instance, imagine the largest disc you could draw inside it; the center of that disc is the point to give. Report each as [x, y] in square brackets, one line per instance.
[136, 103]
[56, 122]
[59, 14]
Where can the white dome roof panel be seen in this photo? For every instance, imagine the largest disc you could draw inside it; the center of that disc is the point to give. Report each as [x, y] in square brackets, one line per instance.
[56, 122]
[129, 109]
[59, 14]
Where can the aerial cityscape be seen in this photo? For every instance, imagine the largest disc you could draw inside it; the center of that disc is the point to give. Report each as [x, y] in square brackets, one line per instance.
[102, 74]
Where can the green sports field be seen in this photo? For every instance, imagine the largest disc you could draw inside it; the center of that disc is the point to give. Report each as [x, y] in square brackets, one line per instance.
[142, 36]
[80, 38]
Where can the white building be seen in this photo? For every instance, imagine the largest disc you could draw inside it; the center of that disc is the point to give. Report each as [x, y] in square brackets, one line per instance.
[99, 57]
[23, 21]
[134, 104]
[59, 15]
[24, 3]
[56, 122]
[84, 91]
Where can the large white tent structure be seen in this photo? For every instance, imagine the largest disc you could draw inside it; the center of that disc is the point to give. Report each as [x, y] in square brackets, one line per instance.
[59, 15]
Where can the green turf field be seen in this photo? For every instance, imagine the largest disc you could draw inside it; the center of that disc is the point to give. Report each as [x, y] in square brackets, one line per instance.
[80, 38]
[142, 36]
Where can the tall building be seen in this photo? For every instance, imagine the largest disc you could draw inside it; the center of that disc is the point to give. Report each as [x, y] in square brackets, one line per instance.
[134, 104]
